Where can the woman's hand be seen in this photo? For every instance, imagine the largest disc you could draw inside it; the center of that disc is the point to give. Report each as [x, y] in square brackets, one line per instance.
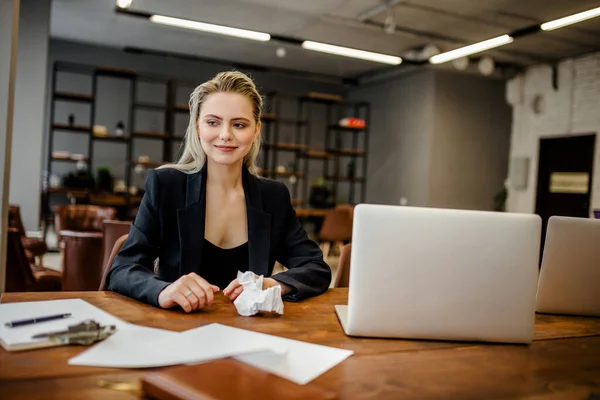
[190, 291]
[234, 289]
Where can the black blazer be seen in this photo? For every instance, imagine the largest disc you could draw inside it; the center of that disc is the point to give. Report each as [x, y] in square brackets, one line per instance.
[170, 225]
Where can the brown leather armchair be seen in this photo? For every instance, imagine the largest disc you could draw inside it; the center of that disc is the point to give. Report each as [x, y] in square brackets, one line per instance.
[116, 248]
[19, 274]
[112, 231]
[34, 247]
[81, 218]
[79, 234]
[336, 229]
[342, 276]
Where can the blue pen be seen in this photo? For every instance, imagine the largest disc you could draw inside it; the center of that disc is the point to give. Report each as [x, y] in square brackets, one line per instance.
[14, 324]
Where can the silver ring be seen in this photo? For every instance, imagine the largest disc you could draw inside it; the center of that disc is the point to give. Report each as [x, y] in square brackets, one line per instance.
[188, 294]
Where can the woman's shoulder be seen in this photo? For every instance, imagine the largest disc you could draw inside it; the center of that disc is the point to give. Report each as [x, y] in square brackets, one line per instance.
[167, 186]
[169, 176]
[271, 186]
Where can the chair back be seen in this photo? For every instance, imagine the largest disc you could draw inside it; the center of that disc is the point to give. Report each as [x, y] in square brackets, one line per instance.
[81, 217]
[337, 225]
[19, 277]
[342, 277]
[115, 250]
[348, 207]
[14, 219]
[112, 231]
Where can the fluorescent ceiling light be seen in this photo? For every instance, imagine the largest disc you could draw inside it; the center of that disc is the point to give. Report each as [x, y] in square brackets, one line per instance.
[348, 52]
[124, 3]
[571, 19]
[471, 49]
[201, 26]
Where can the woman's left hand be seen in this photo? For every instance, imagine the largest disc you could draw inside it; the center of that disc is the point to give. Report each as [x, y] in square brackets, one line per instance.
[234, 289]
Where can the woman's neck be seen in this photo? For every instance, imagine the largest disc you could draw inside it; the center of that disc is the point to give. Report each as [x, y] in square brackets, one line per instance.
[225, 177]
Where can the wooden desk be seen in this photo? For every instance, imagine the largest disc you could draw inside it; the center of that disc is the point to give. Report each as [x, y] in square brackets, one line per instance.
[311, 212]
[563, 362]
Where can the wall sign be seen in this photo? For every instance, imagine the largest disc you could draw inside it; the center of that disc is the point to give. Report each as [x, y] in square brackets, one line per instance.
[569, 182]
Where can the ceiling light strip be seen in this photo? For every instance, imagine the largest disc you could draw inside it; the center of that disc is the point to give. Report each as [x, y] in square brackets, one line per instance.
[211, 28]
[471, 49]
[353, 53]
[571, 19]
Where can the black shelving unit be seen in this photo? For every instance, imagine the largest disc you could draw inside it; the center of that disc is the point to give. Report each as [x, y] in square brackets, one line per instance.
[273, 122]
[94, 73]
[335, 151]
[355, 152]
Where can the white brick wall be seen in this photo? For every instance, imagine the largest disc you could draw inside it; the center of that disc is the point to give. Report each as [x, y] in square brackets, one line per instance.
[572, 109]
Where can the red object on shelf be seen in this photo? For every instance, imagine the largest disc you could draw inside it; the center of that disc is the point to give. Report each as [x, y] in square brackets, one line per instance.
[353, 123]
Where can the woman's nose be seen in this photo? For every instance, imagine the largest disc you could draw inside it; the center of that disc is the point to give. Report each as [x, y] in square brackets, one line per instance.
[225, 133]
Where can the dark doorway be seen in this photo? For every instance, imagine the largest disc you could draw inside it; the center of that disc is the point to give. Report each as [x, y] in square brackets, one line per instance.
[564, 181]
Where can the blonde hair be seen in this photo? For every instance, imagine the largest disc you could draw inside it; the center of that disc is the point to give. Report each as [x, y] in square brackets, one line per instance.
[193, 157]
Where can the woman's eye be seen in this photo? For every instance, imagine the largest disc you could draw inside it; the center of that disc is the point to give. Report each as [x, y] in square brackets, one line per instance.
[211, 122]
[239, 126]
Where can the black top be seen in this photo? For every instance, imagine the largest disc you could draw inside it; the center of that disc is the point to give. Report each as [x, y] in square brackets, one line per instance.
[220, 266]
[170, 222]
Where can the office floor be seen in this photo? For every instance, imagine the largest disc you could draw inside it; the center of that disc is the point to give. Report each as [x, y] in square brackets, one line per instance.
[54, 260]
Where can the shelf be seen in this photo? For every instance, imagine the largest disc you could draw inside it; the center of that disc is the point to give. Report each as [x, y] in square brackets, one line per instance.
[348, 152]
[112, 138]
[69, 159]
[346, 128]
[116, 72]
[148, 164]
[286, 146]
[114, 199]
[150, 106]
[285, 174]
[71, 128]
[319, 155]
[65, 190]
[181, 108]
[82, 98]
[150, 135]
[325, 98]
[345, 178]
[329, 99]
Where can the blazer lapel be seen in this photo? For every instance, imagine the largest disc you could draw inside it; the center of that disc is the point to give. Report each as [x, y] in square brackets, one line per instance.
[191, 222]
[259, 226]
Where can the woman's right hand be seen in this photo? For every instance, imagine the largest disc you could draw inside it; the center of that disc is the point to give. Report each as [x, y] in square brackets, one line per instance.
[190, 291]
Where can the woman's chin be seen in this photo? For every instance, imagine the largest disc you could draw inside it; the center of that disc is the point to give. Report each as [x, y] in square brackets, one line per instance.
[225, 159]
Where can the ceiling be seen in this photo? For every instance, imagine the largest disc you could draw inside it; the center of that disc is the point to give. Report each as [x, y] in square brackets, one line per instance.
[447, 24]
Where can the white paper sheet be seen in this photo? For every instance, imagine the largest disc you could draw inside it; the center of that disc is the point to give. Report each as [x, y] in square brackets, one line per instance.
[125, 349]
[19, 337]
[141, 347]
[301, 363]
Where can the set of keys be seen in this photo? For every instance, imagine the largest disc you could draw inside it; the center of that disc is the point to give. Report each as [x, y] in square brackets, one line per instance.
[84, 333]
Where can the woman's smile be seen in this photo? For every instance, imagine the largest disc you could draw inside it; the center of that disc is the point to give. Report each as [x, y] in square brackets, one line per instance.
[226, 149]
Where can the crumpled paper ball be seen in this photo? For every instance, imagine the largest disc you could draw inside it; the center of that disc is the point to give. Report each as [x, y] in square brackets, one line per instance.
[254, 299]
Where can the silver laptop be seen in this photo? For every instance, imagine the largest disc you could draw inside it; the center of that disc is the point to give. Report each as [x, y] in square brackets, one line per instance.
[570, 274]
[426, 273]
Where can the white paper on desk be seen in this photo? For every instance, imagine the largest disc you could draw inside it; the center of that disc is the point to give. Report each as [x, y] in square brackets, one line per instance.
[125, 349]
[19, 338]
[301, 362]
[141, 347]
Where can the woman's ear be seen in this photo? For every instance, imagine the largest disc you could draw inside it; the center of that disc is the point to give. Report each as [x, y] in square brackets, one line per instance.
[257, 133]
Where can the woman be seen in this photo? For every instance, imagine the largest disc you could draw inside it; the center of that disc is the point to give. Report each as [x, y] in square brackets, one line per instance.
[209, 216]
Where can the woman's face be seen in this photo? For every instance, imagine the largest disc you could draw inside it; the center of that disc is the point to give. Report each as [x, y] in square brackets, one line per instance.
[226, 127]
